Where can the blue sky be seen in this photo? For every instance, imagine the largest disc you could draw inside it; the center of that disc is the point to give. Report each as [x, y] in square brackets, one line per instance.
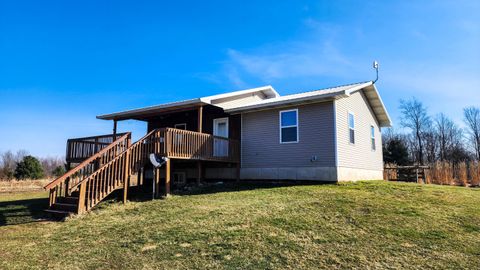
[64, 62]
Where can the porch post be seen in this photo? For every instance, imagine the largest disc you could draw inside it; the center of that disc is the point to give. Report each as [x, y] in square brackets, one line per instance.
[167, 177]
[200, 119]
[114, 130]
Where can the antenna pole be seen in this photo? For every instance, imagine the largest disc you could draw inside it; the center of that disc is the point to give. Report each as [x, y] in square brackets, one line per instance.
[375, 66]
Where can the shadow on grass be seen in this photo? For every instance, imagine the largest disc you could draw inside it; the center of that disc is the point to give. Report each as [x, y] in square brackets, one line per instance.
[22, 211]
[140, 194]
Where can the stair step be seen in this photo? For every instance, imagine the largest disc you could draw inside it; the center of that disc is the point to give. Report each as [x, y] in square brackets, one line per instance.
[68, 200]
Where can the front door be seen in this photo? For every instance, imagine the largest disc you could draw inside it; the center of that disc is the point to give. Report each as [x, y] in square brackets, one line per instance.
[220, 129]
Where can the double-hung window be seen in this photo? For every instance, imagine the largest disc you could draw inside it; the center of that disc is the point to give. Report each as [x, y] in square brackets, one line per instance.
[289, 126]
[372, 136]
[351, 127]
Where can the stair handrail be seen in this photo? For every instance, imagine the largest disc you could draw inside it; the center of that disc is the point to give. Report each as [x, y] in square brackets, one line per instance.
[141, 140]
[86, 162]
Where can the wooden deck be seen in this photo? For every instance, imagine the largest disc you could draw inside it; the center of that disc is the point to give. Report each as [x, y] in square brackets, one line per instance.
[109, 167]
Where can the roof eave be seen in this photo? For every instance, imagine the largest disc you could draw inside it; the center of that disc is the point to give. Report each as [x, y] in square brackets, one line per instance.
[284, 103]
[136, 112]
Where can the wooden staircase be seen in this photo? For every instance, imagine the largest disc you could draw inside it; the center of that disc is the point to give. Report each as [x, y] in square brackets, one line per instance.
[110, 168]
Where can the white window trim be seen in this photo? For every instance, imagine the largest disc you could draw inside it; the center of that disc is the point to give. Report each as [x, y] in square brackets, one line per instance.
[373, 146]
[280, 125]
[181, 124]
[354, 124]
[215, 125]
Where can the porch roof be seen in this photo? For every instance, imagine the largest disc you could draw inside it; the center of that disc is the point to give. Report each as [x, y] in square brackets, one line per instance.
[221, 100]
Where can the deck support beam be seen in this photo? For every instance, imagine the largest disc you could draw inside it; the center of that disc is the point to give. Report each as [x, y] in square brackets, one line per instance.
[156, 180]
[168, 168]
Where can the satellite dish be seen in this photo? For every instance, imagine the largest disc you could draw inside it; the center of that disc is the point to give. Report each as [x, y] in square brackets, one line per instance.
[157, 162]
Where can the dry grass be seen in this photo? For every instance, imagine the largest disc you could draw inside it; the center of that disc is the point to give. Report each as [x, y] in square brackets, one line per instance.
[14, 186]
[461, 174]
[363, 225]
[465, 174]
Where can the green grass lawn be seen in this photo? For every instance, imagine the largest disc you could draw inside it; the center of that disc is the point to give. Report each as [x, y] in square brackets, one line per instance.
[379, 225]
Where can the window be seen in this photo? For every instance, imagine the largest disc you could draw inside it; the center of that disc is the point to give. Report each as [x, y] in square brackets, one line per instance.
[372, 135]
[289, 126]
[351, 127]
[181, 126]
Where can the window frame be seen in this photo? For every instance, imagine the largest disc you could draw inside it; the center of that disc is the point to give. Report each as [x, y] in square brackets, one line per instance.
[350, 128]
[280, 126]
[373, 141]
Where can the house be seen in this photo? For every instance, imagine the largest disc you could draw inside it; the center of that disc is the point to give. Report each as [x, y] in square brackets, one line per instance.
[331, 134]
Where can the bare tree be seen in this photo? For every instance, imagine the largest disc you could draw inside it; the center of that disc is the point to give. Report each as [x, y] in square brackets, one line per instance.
[449, 136]
[431, 143]
[415, 117]
[7, 165]
[472, 119]
[49, 165]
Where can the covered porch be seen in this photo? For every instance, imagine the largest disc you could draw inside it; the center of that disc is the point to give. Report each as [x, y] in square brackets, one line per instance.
[199, 141]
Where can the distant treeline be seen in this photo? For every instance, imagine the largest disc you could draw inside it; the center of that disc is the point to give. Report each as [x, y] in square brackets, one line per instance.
[21, 165]
[430, 139]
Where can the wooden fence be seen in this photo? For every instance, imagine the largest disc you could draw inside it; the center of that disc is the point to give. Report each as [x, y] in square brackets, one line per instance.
[441, 173]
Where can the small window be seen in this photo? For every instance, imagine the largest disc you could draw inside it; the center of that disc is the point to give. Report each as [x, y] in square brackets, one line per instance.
[372, 135]
[289, 126]
[181, 126]
[351, 127]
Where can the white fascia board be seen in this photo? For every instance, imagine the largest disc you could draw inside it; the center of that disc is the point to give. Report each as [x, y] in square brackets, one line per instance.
[121, 114]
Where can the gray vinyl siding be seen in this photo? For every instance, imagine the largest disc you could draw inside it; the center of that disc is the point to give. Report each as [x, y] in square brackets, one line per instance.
[261, 147]
[359, 155]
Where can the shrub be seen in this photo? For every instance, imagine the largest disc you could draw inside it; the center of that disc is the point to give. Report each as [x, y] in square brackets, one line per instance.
[59, 171]
[29, 168]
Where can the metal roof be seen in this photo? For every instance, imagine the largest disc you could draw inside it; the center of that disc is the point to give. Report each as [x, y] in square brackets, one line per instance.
[266, 91]
[332, 93]
[269, 99]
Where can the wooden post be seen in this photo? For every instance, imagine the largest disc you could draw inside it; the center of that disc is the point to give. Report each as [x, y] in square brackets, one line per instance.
[53, 195]
[114, 130]
[200, 119]
[126, 181]
[200, 172]
[167, 177]
[81, 198]
[140, 177]
[157, 181]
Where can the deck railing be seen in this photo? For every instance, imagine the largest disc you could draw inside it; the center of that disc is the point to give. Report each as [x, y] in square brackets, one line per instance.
[79, 149]
[111, 167]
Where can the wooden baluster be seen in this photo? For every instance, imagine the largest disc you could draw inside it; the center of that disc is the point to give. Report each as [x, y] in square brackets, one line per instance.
[52, 197]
